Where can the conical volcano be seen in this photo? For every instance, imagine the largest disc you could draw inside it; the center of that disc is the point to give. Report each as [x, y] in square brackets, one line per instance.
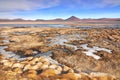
[73, 18]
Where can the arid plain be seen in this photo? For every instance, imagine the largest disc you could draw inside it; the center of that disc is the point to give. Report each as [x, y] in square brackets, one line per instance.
[46, 53]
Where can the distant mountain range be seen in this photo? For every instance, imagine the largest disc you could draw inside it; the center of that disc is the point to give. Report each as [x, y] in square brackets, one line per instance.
[72, 18]
[58, 19]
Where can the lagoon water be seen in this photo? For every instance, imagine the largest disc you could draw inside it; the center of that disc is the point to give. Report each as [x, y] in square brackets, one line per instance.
[34, 25]
[56, 26]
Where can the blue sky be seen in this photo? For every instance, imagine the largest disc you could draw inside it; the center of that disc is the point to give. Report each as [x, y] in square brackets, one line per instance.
[50, 9]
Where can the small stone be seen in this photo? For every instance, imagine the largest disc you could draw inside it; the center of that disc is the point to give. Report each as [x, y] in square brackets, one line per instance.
[24, 62]
[10, 74]
[26, 67]
[29, 58]
[53, 66]
[102, 76]
[34, 60]
[39, 64]
[65, 68]
[70, 71]
[35, 67]
[30, 74]
[3, 61]
[17, 70]
[59, 69]
[43, 67]
[8, 64]
[48, 72]
[69, 76]
[1, 56]
[17, 65]
[28, 52]
[85, 76]
[12, 59]
[46, 63]
[42, 59]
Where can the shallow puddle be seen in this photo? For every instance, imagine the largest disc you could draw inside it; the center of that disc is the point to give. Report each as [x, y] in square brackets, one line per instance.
[91, 51]
[63, 39]
[9, 54]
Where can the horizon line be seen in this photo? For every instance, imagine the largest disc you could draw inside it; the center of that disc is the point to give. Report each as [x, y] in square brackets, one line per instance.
[59, 18]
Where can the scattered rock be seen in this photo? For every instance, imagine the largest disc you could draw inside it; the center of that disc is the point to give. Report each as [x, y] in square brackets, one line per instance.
[69, 76]
[53, 66]
[43, 67]
[48, 72]
[30, 74]
[65, 69]
[15, 65]
[28, 52]
[102, 76]
[17, 70]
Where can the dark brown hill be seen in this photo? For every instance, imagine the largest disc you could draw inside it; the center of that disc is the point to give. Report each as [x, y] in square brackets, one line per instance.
[73, 18]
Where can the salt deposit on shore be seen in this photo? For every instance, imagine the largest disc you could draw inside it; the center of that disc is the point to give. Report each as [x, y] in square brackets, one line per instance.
[63, 39]
[9, 54]
[91, 51]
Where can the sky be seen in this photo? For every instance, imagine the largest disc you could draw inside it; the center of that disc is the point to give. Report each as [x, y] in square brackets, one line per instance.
[51, 9]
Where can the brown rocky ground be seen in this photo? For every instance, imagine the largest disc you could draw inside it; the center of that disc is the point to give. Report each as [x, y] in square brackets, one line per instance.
[41, 69]
[76, 65]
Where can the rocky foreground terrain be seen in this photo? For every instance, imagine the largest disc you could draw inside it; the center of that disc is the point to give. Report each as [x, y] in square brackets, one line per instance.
[59, 54]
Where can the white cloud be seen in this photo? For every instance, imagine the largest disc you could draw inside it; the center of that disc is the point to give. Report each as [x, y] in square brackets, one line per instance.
[6, 15]
[111, 2]
[88, 4]
[15, 5]
[12, 8]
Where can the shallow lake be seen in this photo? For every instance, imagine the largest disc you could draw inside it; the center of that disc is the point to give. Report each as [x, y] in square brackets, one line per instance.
[34, 25]
[56, 26]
